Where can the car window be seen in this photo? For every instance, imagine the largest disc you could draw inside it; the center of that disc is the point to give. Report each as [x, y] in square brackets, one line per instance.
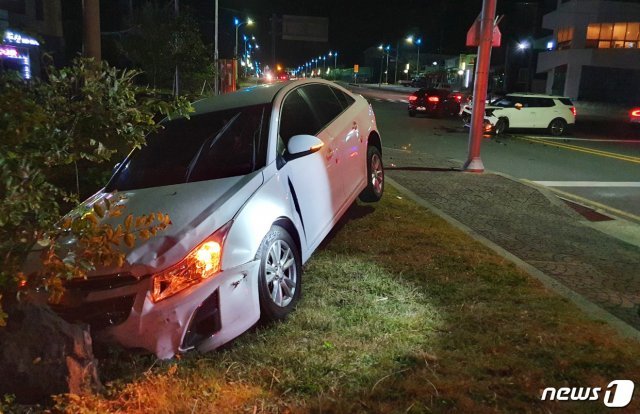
[297, 118]
[506, 102]
[323, 102]
[206, 147]
[544, 102]
[345, 100]
[566, 101]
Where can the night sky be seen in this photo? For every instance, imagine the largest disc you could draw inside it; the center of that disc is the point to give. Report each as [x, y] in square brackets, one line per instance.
[354, 25]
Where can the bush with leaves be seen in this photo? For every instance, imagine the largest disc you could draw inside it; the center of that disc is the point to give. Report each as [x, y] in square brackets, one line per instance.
[50, 131]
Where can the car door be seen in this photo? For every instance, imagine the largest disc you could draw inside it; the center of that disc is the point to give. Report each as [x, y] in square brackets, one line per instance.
[351, 135]
[522, 117]
[313, 180]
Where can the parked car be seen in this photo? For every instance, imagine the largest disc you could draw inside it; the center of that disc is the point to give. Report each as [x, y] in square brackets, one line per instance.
[252, 182]
[439, 102]
[420, 82]
[523, 110]
[634, 115]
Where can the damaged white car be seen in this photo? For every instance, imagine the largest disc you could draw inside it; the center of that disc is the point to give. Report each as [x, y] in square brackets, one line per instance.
[253, 182]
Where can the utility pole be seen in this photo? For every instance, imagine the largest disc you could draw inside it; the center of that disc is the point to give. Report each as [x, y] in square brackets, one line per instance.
[487, 22]
[395, 74]
[274, 36]
[176, 80]
[216, 63]
[91, 29]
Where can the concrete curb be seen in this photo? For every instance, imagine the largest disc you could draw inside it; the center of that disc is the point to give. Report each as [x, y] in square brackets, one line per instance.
[592, 310]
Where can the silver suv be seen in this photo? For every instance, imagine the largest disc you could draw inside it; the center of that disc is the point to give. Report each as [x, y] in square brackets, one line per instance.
[525, 110]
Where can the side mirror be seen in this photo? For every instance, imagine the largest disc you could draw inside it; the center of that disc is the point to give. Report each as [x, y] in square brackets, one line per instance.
[302, 145]
[518, 106]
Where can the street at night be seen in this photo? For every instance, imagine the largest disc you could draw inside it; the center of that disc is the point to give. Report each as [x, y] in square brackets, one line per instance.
[250, 206]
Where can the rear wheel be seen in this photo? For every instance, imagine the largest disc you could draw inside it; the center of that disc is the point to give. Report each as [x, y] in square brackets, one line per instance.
[280, 277]
[375, 176]
[557, 127]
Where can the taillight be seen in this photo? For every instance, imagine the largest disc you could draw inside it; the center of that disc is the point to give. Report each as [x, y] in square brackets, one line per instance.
[433, 99]
[635, 112]
[413, 98]
[458, 98]
[573, 111]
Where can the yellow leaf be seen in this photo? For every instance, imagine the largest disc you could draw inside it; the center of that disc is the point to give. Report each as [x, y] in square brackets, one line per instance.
[140, 221]
[129, 240]
[92, 218]
[128, 221]
[120, 260]
[144, 234]
[160, 217]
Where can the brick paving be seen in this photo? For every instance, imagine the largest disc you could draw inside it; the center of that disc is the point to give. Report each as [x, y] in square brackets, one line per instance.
[531, 225]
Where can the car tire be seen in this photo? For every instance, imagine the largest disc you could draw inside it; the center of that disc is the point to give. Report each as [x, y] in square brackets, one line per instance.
[280, 275]
[557, 127]
[375, 176]
[501, 126]
[412, 114]
[466, 119]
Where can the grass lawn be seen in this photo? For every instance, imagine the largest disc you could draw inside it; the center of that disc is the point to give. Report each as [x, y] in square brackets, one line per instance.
[400, 313]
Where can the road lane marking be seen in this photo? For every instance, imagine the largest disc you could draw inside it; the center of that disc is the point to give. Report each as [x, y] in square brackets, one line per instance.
[625, 141]
[589, 203]
[589, 183]
[591, 151]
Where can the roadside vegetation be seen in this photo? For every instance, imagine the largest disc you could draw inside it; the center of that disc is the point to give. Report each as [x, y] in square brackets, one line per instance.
[400, 313]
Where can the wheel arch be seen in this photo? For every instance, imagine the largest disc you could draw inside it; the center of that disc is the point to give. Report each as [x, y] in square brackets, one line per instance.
[374, 139]
[287, 224]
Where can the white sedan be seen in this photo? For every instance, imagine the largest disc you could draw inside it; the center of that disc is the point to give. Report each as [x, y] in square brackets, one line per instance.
[253, 182]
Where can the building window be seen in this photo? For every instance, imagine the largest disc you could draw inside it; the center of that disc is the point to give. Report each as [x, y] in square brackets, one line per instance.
[564, 37]
[39, 10]
[613, 35]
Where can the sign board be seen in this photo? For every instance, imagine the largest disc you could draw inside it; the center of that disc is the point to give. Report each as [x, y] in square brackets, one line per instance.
[305, 28]
[473, 35]
[356, 68]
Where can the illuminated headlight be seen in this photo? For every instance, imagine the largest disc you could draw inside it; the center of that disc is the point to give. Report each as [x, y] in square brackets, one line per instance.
[201, 263]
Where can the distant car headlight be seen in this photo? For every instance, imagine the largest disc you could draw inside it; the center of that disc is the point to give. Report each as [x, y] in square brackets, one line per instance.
[201, 263]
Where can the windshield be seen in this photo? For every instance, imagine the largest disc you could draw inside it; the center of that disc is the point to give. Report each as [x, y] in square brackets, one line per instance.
[206, 147]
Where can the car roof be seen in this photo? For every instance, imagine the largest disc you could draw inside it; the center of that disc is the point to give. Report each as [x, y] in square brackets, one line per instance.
[536, 95]
[253, 95]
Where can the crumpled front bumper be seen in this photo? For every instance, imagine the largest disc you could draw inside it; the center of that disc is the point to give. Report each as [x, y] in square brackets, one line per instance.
[230, 300]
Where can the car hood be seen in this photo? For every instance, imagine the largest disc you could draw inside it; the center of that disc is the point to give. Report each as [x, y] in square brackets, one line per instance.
[196, 211]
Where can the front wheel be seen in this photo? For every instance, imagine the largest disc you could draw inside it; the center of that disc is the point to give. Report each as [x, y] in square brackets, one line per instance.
[500, 127]
[375, 176]
[280, 277]
[557, 127]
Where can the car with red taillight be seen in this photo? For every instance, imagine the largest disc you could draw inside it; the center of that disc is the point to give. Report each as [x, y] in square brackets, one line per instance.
[439, 102]
[634, 115]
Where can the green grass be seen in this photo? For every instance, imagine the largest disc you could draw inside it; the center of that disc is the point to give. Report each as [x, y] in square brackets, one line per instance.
[400, 313]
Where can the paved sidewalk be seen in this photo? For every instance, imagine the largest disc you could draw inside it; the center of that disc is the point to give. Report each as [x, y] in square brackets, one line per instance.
[533, 225]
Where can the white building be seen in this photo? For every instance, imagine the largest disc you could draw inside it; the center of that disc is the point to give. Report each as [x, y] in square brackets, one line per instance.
[596, 53]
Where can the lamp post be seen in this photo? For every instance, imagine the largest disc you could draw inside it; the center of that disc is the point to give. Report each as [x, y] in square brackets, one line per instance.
[417, 42]
[238, 23]
[335, 59]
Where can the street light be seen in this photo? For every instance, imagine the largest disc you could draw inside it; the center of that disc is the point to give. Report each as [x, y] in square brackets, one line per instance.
[335, 59]
[238, 23]
[417, 42]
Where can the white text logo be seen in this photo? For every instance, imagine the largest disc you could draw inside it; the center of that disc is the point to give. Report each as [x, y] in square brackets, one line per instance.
[617, 394]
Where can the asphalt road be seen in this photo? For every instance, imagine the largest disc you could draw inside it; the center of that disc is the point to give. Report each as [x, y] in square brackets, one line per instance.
[596, 164]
